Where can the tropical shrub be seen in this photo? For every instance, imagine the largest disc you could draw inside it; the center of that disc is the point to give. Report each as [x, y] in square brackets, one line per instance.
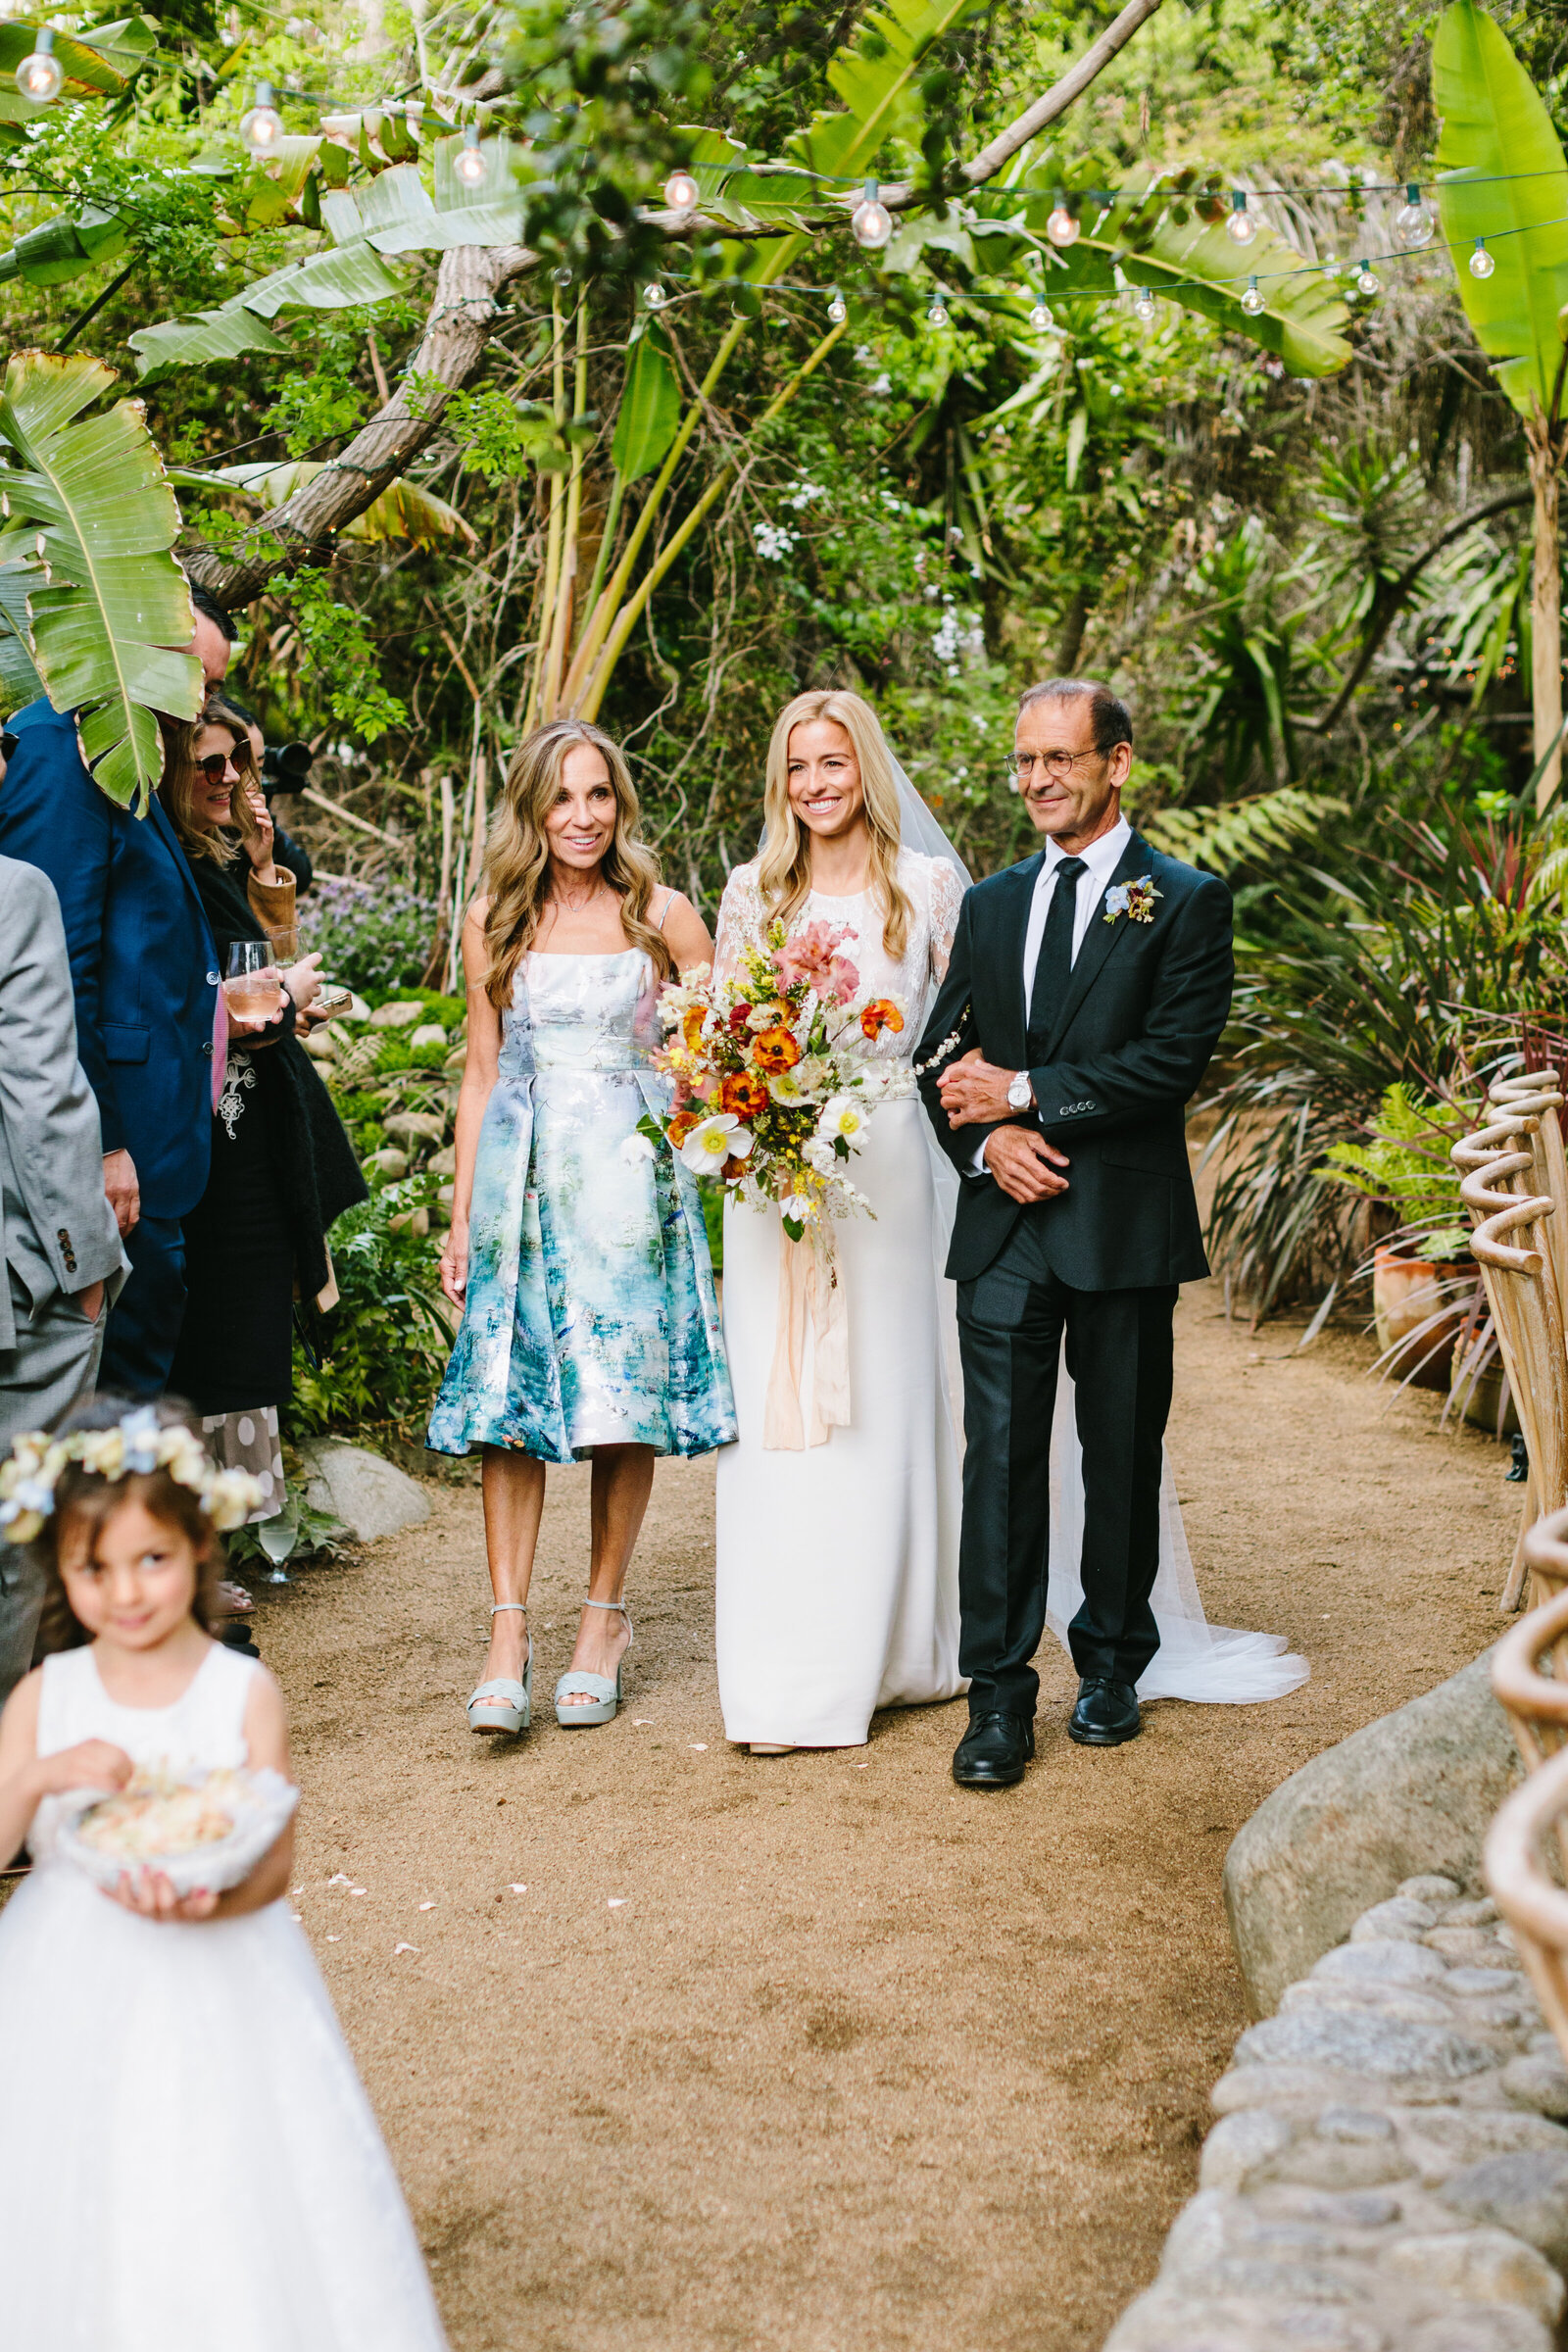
[1414, 975]
[379, 1354]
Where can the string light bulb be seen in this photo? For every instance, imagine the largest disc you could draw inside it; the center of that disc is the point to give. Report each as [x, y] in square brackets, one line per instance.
[1040, 318]
[870, 221]
[654, 295]
[1143, 307]
[1242, 226]
[1252, 298]
[1062, 227]
[1412, 223]
[937, 315]
[1367, 282]
[1482, 263]
[263, 127]
[471, 164]
[838, 310]
[681, 191]
[38, 76]
[563, 277]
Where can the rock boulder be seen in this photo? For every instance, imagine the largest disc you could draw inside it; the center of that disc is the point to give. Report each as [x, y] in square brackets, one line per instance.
[1413, 1793]
[366, 1492]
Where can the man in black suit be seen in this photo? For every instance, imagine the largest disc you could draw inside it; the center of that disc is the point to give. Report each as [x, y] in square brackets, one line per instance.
[1087, 991]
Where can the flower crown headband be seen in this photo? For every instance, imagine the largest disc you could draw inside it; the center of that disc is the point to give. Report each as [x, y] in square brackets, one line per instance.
[136, 1445]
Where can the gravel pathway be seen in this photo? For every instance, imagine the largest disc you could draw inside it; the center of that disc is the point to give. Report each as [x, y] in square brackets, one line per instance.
[704, 2051]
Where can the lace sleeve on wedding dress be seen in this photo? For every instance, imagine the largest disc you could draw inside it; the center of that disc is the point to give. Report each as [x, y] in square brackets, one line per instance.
[740, 921]
[947, 896]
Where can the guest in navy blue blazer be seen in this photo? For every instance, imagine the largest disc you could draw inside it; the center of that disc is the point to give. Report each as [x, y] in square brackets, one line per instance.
[146, 980]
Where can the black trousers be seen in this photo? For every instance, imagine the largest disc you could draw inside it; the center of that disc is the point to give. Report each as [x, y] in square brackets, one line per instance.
[1119, 1353]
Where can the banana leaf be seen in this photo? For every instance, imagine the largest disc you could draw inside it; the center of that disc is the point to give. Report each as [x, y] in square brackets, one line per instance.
[402, 512]
[1495, 124]
[199, 342]
[875, 73]
[650, 406]
[94, 66]
[92, 519]
[333, 280]
[1155, 230]
[19, 682]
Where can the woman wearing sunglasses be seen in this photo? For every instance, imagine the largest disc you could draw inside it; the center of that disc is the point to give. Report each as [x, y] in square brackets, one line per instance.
[283, 1166]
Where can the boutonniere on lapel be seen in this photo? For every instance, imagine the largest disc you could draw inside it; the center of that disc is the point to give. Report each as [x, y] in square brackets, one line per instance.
[1136, 899]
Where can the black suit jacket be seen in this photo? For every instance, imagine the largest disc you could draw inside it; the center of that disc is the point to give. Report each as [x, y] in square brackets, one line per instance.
[1120, 1058]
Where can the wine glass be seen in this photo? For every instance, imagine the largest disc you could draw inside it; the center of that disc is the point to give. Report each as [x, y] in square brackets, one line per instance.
[285, 943]
[254, 986]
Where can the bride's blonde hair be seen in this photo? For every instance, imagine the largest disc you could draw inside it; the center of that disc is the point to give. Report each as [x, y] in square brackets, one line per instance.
[784, 869]
[516, 857]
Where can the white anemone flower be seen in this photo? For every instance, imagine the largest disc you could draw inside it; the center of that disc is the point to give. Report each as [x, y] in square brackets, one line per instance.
[719, 1138]
[842, 1117]
[820, 1155]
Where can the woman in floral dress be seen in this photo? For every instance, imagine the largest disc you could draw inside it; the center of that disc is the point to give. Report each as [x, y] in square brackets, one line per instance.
[577, 1250]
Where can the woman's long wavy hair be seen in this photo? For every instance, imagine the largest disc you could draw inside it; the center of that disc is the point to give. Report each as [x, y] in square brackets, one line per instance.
[179, 787]
[516, 857]
[784, 870]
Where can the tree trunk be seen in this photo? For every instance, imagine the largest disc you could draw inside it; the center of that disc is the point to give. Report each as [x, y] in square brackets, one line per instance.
[1546, 613]
[1074, 621]
[450, 351]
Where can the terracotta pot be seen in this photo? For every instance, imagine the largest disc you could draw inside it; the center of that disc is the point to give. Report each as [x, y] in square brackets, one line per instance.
[1418, 1300]
[1481, 1400]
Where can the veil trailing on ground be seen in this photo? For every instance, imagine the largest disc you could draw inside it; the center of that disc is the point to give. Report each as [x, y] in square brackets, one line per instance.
[1209, 1664]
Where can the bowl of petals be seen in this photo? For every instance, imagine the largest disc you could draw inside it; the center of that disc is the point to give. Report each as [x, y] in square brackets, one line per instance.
[198, 1828]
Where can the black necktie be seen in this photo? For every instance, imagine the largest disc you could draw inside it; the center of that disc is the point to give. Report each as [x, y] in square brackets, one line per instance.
[1054, 966]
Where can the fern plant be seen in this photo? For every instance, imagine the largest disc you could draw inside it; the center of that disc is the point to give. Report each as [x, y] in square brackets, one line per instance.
[1242, 833]
[1406, 1166]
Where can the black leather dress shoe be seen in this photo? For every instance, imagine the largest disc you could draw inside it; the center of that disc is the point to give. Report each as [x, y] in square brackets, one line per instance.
[1107, 1713]
[993, 1752]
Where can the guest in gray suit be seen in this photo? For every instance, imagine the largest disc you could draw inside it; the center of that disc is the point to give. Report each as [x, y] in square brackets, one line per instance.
[58, 1235]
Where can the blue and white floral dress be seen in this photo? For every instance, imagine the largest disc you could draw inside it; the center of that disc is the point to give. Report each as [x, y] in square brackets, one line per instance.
[590, 1317]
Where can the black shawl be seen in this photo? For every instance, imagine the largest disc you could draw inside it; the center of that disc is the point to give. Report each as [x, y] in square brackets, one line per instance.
[318, 1174]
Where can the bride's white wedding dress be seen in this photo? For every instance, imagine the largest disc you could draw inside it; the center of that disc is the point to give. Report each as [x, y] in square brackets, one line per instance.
[838, 1565]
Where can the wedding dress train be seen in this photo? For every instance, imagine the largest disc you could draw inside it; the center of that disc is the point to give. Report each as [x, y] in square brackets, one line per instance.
[837, 1567]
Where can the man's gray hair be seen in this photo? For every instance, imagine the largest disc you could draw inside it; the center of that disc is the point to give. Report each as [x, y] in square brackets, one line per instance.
[1108, 714]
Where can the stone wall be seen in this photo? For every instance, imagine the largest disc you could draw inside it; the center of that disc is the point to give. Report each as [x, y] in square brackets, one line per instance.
[1390, 2170]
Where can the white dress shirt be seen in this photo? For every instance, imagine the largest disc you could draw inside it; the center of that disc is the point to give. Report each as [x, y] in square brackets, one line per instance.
[1100, 860]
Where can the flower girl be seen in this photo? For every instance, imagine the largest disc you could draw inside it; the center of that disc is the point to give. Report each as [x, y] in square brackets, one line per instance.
[187, 2156]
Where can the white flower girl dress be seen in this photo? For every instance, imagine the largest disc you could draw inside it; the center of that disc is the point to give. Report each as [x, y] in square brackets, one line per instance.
[187, 2159]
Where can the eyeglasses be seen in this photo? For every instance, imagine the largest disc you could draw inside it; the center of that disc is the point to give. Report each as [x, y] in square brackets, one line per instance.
[1059, 765]
[215, 766]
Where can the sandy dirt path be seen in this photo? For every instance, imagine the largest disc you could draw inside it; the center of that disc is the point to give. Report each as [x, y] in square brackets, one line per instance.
[816, 2053]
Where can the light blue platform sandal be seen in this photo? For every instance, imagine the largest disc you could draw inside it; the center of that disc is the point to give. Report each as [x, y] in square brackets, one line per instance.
[604, 1695]
[504, 1705]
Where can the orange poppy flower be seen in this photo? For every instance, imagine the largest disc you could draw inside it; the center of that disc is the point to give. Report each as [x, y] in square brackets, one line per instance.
[680, 1127]
[881, 1014]
[745, 1094]
[775, 1050]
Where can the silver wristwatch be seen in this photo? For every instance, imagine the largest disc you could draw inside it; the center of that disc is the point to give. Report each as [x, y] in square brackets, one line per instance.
[1020, 1093]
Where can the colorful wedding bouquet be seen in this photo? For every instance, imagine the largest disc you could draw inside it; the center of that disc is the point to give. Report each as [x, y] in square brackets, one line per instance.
[775, 1079]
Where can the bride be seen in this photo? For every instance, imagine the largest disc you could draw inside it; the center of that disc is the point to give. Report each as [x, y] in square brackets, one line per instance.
[838, 1550]
[837, 1569]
